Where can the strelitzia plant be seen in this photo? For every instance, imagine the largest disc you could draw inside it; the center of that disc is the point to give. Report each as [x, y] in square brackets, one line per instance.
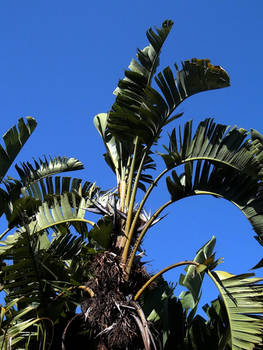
[68, 260]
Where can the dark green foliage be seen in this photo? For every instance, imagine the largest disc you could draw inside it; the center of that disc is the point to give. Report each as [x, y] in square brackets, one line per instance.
[55, 259]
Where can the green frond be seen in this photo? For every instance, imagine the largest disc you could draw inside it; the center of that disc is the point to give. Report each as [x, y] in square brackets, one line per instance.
[242, 296]
[224, 182]
[140, 73]
[37, 265]
[43, 168]
[55, 186]
[40, 270]
[165, 311]
[196, 75]
[193, 281]
[216, 143]
[118, 154]
[14, 141]
[59, 212]
[40, 191]
[146, 116]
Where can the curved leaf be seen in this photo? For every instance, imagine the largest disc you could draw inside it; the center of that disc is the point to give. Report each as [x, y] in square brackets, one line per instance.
[242, 296]
[206, 178]
[58, 213]
[197, 75]
[14, 140]
[216, 143]
[131, 90]
[43, 168]
[38, 271]
[49, 187]
[141, 73]
[147, 116]
[44, 190]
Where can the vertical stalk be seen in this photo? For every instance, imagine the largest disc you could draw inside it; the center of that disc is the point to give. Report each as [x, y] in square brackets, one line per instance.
[134, 222]
[127, 195]
[123, 186]
[127, 233]
[127, 200]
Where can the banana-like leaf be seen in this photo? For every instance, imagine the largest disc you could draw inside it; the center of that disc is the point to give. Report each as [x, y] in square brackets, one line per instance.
[216, 143]
[197, 75]
[50, 187]
[21, 208]
[43, 168]
[147, 116]
[200, 336]
[242, 296]
[218, 324]
[141, 73]
[204, 177]
[192, 280]
[38, 187]
[130, 96]
[37, 272]
[45, 190]
[36, 262]
[118, 155]
[130, 92]
[14, 141]
[65, 247]
[59, 212]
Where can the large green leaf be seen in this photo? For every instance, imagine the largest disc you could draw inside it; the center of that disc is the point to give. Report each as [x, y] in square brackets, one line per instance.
[118, 154]
[216, 143]
[39, 184]
[227, 179]
[193, 281]
[10, 195]
[59, 212]
[55, 186]
[102, 232]
[37, 261]
[199, 337]
[131, 88]
[147, 117]
[218, 324]
[242, 296]
[196, 75]
[43, 168]
[38, 271]
[44, 190]
[14, 140]
[141, 73]
[242, 190]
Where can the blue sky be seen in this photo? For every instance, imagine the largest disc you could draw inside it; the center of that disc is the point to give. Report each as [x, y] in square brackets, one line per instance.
[61, 60]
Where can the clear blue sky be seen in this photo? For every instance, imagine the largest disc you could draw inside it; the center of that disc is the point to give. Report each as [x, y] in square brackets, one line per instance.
[61, 60]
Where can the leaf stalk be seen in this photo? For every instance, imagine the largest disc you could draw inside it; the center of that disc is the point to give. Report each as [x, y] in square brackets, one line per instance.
[170, 267]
